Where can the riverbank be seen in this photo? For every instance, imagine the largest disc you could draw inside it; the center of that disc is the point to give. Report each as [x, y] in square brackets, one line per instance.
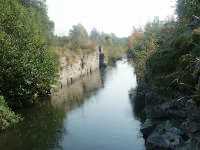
[169, 114]
[168, 110]
[167, 123]
[167, 61]
[75, 65]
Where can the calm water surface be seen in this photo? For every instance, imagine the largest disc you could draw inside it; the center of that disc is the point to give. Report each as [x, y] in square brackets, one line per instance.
[94, 113]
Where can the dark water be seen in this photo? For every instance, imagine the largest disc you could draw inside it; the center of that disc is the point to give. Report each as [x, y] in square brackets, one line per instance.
[94, 113]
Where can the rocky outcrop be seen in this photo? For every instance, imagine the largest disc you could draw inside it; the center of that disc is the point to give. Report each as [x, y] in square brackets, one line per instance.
[165, 136]
[169, 124]
[81, 65]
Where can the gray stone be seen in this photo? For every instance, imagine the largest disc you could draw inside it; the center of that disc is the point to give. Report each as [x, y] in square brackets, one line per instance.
[191, 144]
[165, 136]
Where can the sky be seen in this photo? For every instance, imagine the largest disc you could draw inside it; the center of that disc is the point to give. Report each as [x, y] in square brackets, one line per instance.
[109, 16]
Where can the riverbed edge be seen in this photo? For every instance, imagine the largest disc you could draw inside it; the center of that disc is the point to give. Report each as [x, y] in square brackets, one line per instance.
[167, 124]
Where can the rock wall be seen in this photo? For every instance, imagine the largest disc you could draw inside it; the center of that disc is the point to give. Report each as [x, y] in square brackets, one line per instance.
[167, 124]
[82, 65]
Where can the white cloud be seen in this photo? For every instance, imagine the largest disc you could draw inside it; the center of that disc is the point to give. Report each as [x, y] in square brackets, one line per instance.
[117, 16]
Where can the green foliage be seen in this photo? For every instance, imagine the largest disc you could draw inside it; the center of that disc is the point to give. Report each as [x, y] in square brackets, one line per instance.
[80, 42]
[27, 68]
[78, 37]
[7, 117]
[95, 36]
[174, 63]
[143, 44]
[113, 46]
[187, 8]
[61, 41]
[183, 41]
[77, 42]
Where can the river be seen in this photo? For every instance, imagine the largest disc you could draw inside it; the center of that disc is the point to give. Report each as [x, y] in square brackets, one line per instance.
[94, 113]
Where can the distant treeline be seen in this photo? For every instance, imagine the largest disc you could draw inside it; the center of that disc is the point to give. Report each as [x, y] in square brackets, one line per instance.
[79, 40]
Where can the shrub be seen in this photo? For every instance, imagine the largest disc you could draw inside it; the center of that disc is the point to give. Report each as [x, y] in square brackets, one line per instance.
[7, 117]
[27, 68]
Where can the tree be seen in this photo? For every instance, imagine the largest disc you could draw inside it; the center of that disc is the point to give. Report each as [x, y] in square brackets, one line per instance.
[95, 36]
[78, 36]
[27, 68]
[187, 8]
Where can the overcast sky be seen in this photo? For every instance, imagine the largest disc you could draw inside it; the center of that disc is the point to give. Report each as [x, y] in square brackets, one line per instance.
[116, 16]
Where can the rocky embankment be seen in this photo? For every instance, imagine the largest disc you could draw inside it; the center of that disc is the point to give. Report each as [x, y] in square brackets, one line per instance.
[168, 124]
[80, 66]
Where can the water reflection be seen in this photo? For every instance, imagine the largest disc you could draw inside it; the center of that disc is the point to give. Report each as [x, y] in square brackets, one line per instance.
[105, 121]
[138, 103]
[43, 125]
[41, 129]
[93, 113]
[72, 96]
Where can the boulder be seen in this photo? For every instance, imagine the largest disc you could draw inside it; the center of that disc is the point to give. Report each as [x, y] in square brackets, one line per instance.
[165, 137]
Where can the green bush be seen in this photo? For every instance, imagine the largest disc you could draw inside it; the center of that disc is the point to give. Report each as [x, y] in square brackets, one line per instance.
[27, 68]
[7, 117]
[174, 65]
[187, 8]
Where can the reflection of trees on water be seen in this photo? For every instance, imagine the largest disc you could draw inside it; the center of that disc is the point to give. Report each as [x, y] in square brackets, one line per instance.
[137, 99]
[43, 127]
[137, 103]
